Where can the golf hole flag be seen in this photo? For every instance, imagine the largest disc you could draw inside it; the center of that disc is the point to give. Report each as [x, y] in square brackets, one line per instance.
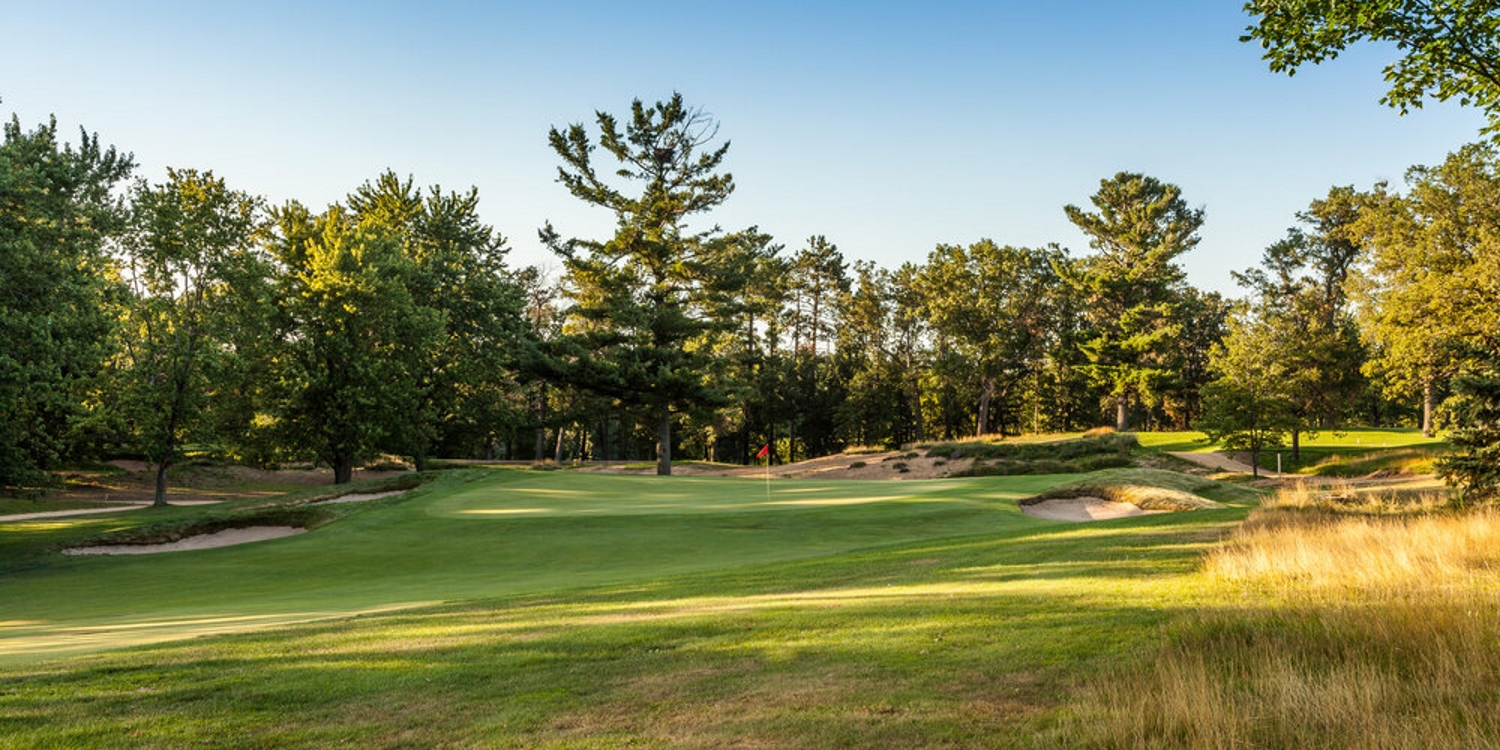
[763, 451]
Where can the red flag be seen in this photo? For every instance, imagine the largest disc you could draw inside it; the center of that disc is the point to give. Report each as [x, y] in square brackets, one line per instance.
[763, 451]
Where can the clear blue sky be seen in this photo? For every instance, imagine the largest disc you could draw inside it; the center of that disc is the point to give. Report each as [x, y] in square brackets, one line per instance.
[888, 127]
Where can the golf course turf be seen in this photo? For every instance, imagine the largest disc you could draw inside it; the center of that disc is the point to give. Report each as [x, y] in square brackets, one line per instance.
[563, 609]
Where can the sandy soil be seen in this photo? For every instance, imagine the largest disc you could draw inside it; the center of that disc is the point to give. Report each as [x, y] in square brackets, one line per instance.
[225, 538]
[1082, 509]
[886, 465]
[357, 497]
[1216, 461]
[66, 513]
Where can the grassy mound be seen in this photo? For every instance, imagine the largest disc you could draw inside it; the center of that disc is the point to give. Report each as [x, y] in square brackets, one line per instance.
[1147, 489]
[1073, 456]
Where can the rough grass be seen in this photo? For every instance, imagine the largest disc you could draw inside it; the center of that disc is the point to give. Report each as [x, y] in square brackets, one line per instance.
[1354, 624]
[1393, 462]
[1064, 455]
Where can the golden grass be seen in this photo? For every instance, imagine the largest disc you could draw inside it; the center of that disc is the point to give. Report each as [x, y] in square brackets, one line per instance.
[1334, 618]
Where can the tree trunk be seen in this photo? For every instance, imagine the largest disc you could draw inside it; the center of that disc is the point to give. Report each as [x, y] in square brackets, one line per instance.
[1427, 407]
[343, 470]
[664, 443]
[1296, 445]
[557, 451]
[420, 461]
[985, 397]
[541, 444]
[161, 484]
[1121, 415]
[1255, 461]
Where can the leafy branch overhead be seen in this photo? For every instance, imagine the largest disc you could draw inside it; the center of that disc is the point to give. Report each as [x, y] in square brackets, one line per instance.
[1448, 49]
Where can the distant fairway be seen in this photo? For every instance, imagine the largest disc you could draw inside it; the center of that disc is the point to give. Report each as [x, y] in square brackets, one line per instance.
[500, 534]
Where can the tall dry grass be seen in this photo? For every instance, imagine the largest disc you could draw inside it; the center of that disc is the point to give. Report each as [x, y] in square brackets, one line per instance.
[1337, 620]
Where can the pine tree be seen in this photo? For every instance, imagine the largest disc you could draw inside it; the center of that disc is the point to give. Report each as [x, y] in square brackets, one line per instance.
[644, 300]
[1131, 286]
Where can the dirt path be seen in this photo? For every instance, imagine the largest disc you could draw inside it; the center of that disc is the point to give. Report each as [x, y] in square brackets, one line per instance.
[94, 511]
[225, 538]
[1214, 461]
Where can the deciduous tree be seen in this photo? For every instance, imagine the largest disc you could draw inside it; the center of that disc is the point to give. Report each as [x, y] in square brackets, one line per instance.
[1448, 50]
[58, 209]
[189, 253]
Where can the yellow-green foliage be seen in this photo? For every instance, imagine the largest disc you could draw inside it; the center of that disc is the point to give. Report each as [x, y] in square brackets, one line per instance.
[1398, 461]
[1325, 623]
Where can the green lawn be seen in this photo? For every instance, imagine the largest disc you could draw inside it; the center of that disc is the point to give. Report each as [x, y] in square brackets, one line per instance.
[546, 609]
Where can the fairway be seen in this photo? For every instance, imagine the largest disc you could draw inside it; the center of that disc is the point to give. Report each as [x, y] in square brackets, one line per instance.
[552, 609]
[480, 535]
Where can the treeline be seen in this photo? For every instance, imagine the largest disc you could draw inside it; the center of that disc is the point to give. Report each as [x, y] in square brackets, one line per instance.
[165, 319]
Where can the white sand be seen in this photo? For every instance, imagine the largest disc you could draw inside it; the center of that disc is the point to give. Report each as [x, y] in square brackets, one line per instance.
[1080, 509]
[357, 497]
[225, 538]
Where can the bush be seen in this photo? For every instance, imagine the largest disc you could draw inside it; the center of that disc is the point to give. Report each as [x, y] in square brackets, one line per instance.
[1066, 450]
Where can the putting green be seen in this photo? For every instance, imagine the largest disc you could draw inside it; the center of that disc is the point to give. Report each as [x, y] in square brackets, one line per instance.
[466, 538]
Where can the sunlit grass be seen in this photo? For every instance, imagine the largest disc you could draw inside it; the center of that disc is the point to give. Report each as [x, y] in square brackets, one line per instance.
[1347, 620]
[933, 615]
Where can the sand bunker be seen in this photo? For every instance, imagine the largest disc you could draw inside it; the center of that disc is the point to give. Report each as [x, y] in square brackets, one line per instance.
[225, 538]
[357, 497]
[1082, 509]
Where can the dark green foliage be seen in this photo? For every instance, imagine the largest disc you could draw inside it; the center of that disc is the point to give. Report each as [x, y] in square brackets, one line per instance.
[1131, 287]
[198, 289]
[1118, 443]
[649, 301]
[996, 308]
[1003, 468]
[351, 334]
[1016, 459]
[57, 211]
[465, 394]
[1474, 466]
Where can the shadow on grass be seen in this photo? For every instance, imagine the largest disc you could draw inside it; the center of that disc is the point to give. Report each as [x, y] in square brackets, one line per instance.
[960, 642]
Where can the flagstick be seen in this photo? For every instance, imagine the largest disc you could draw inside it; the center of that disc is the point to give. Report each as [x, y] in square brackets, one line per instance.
[768, 477]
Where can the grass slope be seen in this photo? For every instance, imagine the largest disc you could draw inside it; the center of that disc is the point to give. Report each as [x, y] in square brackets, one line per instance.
[595, 610]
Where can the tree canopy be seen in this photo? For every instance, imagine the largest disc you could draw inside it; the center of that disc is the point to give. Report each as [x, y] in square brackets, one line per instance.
[1447, 50]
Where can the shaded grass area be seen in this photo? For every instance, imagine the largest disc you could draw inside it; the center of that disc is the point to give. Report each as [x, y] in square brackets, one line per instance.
[626, 611]
[1341, 623]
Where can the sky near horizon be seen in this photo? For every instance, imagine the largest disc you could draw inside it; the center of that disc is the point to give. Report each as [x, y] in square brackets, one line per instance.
[888, 127]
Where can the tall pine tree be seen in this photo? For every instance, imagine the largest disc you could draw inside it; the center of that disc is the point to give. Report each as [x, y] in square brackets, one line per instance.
[644, 300]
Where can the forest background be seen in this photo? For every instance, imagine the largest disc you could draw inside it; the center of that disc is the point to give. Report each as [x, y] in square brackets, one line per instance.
[186, 318]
